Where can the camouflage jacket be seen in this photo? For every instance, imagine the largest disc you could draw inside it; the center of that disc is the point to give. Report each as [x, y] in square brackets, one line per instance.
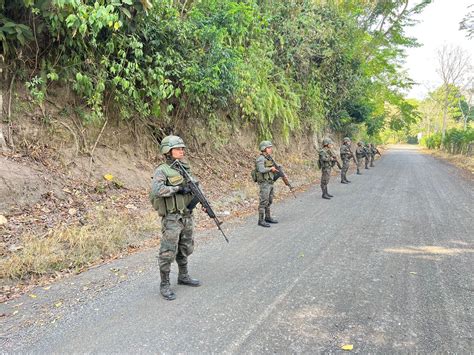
[346, 153]
[360, 152]
[263, 167]
[165, 185]
[325, 158]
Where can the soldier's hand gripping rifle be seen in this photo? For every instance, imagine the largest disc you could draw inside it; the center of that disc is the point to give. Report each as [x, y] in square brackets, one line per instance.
[281, 174]
[353, 156]
[335, 161]
[198, 195]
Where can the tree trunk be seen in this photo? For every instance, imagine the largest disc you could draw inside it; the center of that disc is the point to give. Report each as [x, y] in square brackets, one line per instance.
[3, 143]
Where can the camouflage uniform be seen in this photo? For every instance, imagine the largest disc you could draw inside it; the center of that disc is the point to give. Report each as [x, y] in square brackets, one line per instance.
[360, 153]
[367, 156]
[176, 225]
[373, 151]
[346, 156]
[170, 196]
[265, 180]
[326, 161]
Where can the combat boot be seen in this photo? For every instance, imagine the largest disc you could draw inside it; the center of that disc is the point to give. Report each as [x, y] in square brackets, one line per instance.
[325, 195]
[165, 290]
[261, 220]
[358, 172]
[268, 217]
[185, 279]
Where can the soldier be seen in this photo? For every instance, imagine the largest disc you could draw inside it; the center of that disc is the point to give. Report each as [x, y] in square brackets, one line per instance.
[346, 156]
[170, 196]
[360, 153]
[373, 151]
[326, 161]
[265, 174]
[367, 155]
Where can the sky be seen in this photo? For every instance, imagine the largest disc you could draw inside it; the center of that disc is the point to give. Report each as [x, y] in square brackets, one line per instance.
[439, 24]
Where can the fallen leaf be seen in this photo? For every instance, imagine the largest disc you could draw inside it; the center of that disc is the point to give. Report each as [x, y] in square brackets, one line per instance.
[413, 273]
[347, 347]
[33, 296]
[3, 220]
[58, 304]
[72, 211]
[131, 207]
[46, 288]
[15, 312]
[108, 177]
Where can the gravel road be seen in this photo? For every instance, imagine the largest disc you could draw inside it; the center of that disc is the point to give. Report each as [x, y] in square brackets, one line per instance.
[385, 266]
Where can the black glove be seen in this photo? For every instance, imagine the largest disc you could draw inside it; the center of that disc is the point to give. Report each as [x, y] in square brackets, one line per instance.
[183, 190]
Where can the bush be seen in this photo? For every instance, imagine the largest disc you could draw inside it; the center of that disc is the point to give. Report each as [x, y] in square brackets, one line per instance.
[432, 141]
[457, 141]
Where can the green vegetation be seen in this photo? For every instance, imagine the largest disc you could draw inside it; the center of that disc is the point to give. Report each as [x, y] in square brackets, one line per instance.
[282, 66]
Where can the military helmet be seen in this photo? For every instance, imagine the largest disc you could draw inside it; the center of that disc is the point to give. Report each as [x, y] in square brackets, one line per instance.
[346, 139]
[360, 143]
[327, 141]
[170, 142]
[264, 145]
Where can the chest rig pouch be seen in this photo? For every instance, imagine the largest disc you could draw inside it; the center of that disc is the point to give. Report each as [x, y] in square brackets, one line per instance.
[177, 203]
[261, 177]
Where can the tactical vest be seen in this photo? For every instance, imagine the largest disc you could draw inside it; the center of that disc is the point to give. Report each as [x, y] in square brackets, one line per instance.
[177, 203]
[345, 154]
[325, 164]
[268, 177]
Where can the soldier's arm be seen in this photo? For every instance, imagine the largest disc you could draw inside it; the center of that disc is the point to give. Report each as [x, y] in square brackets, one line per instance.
[261, 165]
[158, 186]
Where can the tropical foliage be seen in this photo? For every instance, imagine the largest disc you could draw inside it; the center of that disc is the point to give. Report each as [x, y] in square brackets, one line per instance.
[279, 65]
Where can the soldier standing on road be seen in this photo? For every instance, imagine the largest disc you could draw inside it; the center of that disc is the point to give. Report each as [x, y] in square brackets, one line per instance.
[326, 162]
[170, 196]
[373, 151]
[265, 174]
[360, 153]
[346, 155]
[367, 155]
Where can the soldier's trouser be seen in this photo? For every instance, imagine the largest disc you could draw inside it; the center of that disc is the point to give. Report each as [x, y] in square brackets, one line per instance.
[372, 157]
[359, 163]
[345, 168]
[366, 162]
[325, 175]
[177, 241]
[266, 196]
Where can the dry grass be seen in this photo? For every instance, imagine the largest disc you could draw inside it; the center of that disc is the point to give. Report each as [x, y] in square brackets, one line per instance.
[75, 247]
[462, 161]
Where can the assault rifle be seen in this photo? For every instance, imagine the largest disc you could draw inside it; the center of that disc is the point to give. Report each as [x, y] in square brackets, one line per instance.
[353, 156]
[198, 195]
[280, 174]
[334, 160]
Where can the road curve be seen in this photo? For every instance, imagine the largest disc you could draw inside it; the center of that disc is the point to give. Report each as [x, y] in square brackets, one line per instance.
[386, 266]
